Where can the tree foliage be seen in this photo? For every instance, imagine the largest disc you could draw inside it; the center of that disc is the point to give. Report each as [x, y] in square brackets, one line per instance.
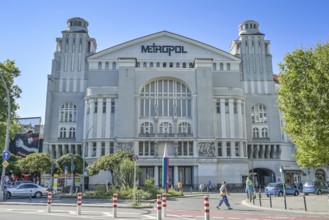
[35, 164]
[124, 173]
[65, 160]
[109, 163]
[304, 101]
[10, 71]
[12, 167]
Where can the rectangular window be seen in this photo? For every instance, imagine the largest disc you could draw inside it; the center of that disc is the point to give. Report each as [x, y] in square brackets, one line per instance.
[141, 149]
[219, 149]
[228, 149]
[218, 106]
[93, 154]
[227, 110]
[185, 148]
[237, 149]
[112, 106]
[104, 105]
[95, 106]
[111, 148]
[103, 149]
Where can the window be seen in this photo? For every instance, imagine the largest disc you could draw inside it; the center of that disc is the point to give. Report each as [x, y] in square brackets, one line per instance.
[190, 65]
[221, 66]
[72, 133]
[95, 106]
[184, 65]
[146, 128]
[235, 106]
[165, 98]
[68, 113]
[144, 64]
[112, 106]
[146, 148]
[184, 128]
[111, 148]
[164, 65]
[151, 64]
[104, 105]
[107, 65]
[227, 109]
[114, 65]
[62, 133]
[218, 106]
[228, 66]
[228, 149]
[177, 65]
[99, 65]
[185, 148]
[158, 64]
[258, 114]
[137, 64]
[165, 128]
[103, 149]
[237, 149]
[214, 66]
[255, 133]
[219, 149]
[94, 149]
[171, 65]
[264, 133]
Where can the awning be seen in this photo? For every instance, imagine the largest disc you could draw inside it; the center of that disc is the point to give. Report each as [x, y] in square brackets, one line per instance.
[291, 167]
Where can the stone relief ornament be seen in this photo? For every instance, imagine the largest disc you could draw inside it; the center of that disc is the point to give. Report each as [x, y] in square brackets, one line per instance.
[207, 149]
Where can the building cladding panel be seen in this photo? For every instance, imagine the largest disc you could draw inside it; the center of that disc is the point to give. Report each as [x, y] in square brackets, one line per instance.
[206, 105]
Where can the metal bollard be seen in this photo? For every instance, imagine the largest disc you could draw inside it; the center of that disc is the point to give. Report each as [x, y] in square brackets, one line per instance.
[206, 207]
[270, 201]
[164, 205]
[260, 198]
[30, 195]
[253, 198]
[285, 202]
[79, 198]
[158, 207]
[50, 196]
[115, 204]
[305, 207]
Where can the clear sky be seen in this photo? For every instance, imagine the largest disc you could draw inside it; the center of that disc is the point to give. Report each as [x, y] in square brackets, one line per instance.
[29, 30]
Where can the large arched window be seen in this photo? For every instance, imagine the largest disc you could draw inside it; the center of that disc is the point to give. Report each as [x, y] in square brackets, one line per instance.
[146, 128]
[68, 113]
[72, 133]
[264, 133]
[255, 133]
[184, 128]
[258, 113]
[165, 98]
[165, 128]
[62, 133]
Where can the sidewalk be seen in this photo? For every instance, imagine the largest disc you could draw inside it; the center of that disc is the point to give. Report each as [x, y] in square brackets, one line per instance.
[316, 204]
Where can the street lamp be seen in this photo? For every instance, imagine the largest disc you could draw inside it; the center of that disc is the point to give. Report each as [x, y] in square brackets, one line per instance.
[83, 161]
[7, 135]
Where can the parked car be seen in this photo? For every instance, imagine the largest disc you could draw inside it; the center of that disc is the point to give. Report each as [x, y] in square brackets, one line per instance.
[277, 189]
[316, 187]
[26, 190]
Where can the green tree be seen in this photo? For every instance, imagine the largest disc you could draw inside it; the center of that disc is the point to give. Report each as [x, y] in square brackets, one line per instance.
[124, 173]
[304, 101]
[10, 71]
[65, 160]
[109, 163]
[12, 167]
[35, 164]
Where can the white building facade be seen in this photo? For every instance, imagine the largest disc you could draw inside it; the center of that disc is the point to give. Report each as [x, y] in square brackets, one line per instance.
[215, 111]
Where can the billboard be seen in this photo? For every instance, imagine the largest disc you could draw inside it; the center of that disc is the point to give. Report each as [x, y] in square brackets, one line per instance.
[28, 139]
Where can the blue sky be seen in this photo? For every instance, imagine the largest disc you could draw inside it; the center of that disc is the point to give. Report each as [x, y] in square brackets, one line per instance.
[29, 30]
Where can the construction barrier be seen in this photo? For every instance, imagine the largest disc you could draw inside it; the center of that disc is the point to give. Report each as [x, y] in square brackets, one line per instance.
[158, 207]
[115, 205]
[50, 196]
[79, 203]
[206, 207]
[164, 205]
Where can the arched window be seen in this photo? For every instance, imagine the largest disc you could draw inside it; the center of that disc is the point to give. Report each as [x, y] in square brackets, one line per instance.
[164, 65]
[184, 128]
[151, 64]
[264, 133]
[158, 64]
[68, 113]
[107, 65]
[184, 65]
[221, 66]
[190, 65]
[114, 65]
[72, 133]
[255, 133]
[144, 64]
[62, 133]
[165, 98]
[258, 113]
[228, 66]
[146, 128]
[99, 65]
[214, 66]
[165, 128]
[177, 65]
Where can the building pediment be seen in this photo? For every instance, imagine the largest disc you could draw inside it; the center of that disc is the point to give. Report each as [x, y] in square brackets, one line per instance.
[163, 45]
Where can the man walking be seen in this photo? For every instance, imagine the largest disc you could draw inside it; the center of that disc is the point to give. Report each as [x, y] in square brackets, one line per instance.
[223, 193]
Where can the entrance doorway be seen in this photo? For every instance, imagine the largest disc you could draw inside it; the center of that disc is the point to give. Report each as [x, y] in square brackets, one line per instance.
[262, 177]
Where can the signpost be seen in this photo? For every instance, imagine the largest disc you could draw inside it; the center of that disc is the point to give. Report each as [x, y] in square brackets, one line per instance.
[135, 158]
[6, 155]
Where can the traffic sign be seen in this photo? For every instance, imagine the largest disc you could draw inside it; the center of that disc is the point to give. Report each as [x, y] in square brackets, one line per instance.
[6, 155]
[5, 163]
[135, 157]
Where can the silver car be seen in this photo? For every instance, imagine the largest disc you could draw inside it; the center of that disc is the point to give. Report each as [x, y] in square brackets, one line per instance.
[26, 190]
